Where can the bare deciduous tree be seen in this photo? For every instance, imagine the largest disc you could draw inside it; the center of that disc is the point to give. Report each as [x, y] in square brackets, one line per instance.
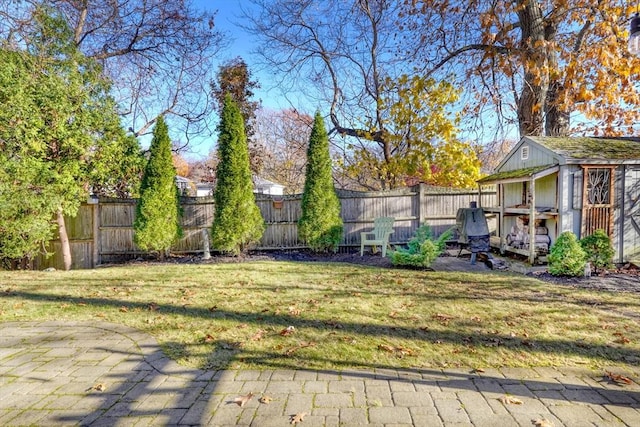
[284, 136]
[343, 54]
[158, 53]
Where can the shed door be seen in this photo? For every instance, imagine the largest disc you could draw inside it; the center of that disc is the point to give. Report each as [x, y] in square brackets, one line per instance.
[631, 218]
[597, 200]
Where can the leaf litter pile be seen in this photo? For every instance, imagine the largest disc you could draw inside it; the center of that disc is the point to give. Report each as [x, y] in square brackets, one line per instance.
[271, 314]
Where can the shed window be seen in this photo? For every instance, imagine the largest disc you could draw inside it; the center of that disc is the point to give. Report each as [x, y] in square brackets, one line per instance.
[524, 152]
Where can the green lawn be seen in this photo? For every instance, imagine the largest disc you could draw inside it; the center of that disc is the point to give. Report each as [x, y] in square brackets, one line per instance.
[312, 315]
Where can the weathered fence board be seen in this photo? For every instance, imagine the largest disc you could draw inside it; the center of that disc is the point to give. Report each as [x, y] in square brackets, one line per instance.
[103, 232]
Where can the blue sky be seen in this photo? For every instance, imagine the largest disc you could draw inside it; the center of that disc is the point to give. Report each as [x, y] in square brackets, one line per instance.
[240, 44]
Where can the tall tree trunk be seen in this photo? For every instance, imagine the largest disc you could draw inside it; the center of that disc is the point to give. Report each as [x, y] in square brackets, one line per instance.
[557, 118]
[536, 69]
[64, 241]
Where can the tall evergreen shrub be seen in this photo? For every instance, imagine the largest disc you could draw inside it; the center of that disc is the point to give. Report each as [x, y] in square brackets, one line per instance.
[157, 223]
[238, 223]
[320, 225]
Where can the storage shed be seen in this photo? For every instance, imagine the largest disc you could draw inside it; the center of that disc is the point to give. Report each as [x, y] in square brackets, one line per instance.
[548, 185]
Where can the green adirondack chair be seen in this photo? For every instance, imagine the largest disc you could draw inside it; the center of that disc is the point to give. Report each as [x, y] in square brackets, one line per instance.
[379, 236]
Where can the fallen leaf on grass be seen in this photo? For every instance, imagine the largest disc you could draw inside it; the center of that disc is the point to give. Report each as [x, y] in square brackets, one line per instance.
[289, 330]
[298, 418]
[258, 335]
[442, 318]
[241, 400]
[153, 306]
[303, 344]
[265, 399]
[124, 309]
[399, 352]
[616, 378]
[542, 422]
[478, 371]
[510, 400]
[231, 345]
[621, 338]
[209, 338]
[294, 311]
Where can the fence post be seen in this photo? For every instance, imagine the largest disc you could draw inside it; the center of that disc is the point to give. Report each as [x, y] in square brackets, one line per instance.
[421, 197]
[95, 238]
[205, 243]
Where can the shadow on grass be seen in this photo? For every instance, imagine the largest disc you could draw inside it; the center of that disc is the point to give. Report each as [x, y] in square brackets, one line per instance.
[565, 347]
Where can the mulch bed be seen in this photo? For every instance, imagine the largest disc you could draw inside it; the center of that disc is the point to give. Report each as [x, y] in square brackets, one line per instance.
[623, 279]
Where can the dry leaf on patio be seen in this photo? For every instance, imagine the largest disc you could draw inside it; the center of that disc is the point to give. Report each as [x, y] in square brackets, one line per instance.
[542, 422]
[616, 378]
[265, 399]
[99, 387]
[510, 400]
[298, 418]
[241, 400]
[478, 371]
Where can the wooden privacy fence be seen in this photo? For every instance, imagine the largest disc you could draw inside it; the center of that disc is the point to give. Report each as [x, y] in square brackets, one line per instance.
[103, 232]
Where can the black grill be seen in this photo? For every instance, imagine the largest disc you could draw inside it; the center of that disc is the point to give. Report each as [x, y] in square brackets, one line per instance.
[473, 231]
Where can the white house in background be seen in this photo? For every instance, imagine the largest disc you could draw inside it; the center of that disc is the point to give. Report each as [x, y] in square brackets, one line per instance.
[264, 186]
[185, 185]
[260, 185]
[204, 189]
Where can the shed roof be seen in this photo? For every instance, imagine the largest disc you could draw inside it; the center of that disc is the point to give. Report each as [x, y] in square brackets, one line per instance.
[519, 175]
[591, 148]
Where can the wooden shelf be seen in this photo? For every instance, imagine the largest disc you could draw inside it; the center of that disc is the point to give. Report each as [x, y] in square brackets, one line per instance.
[546, 214]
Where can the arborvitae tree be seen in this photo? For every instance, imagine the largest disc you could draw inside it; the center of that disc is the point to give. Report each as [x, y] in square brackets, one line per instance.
[237, 223]
[157, 223]
[320, 225]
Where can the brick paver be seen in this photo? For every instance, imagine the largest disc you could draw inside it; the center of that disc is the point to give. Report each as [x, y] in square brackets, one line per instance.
[73, 373]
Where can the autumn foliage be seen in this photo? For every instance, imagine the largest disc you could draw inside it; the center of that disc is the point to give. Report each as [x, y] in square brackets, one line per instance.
[559, 67]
